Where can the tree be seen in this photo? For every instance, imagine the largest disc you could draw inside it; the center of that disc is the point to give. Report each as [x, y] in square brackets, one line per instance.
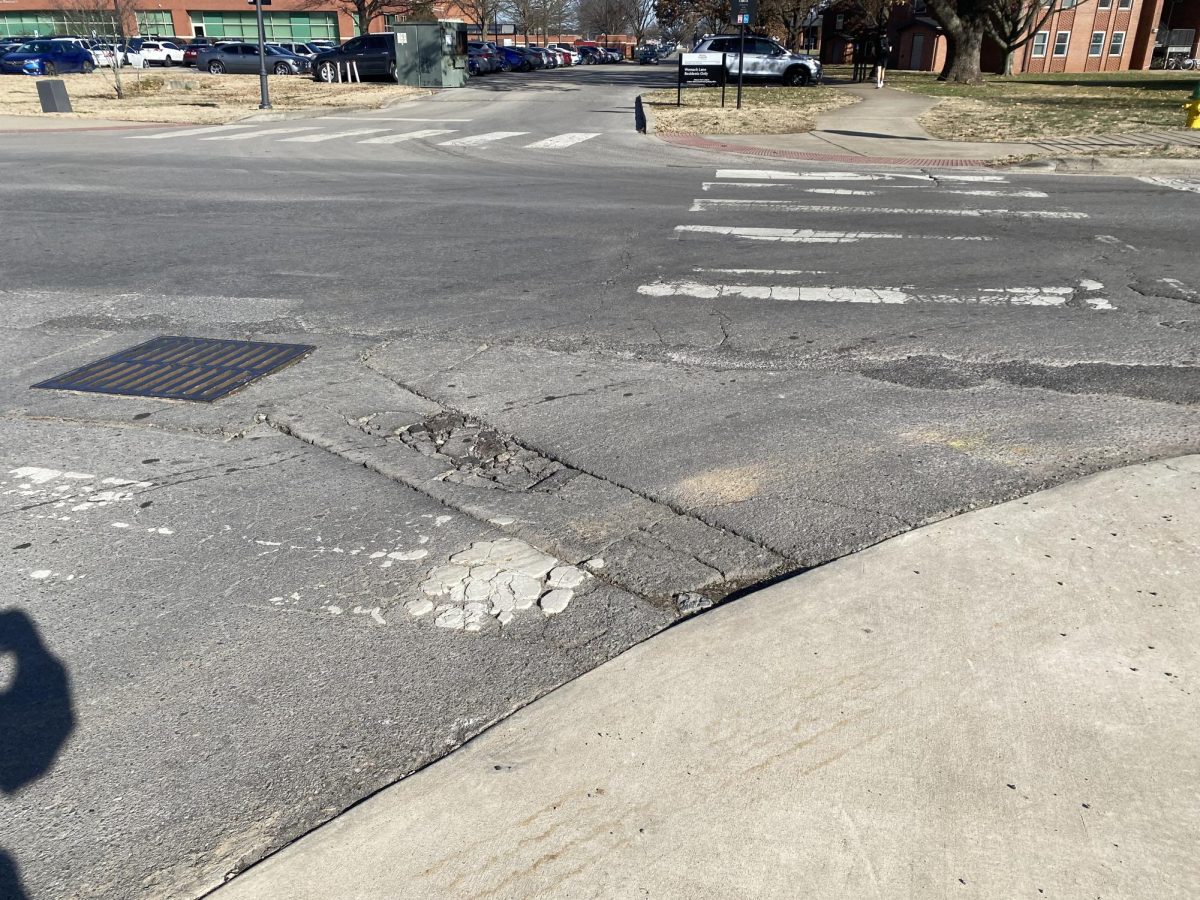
[1013, 23]
[640, 15]
[364, 12]
[483, 13]
[966, 22]
[787, 17]
[111, 20]
[525, 14]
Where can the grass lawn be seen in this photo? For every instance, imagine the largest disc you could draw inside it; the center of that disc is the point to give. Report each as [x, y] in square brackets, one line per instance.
[765, 110]
[187, 96]
[1049, 106]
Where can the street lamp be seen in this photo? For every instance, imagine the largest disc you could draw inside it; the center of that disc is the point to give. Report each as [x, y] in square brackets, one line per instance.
[264, 92]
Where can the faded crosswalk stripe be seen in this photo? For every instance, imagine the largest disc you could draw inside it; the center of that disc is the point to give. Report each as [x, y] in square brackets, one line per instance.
[187, 132]
[783, 175]
[487, 138]
[317, 138]
[245, 135]
[812, 236]
[409, 136]
[705, 205]
[858, 192]
[562, 140]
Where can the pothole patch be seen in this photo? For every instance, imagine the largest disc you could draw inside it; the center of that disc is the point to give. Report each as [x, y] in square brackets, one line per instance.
[496, 580]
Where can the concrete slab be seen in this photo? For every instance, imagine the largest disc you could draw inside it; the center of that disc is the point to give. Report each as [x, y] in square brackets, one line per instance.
[999, 705]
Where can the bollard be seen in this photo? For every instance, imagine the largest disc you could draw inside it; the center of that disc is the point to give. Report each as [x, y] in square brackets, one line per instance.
[1192, 107]
[639, 115]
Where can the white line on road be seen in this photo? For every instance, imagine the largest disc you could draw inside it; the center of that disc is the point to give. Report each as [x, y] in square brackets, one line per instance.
[703, 205]
[562, 140]
[187, 132]
[1175, 184]
[409, 136]
[476, 139]
[241, 136]
[1027, 194]
[1013, 296]
[763, 271]
[317, 138]
[810, 236]
[848, 192]
[1115, 241]
[781, 175]
[394, 119]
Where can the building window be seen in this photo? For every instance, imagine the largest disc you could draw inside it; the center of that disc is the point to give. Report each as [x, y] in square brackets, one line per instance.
[298, 27]
[156, 22]
[1104, 4]
[1096, 48]
[1039, 43]
[1124, 4]
[1117, 45]
[45, 24]
[1061, 41]
[1068, 4]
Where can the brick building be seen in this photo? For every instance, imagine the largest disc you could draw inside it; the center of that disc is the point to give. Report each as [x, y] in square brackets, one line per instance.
[1087, 36]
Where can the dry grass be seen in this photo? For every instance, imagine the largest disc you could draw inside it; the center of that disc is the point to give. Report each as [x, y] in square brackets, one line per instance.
[1030, 107]
[187, 96]
[765, 110]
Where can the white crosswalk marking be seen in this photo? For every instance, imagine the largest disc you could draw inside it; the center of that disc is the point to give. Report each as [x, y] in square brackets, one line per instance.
[476, 139]
[562, 140]
[852, 192]
[811, 236]
[1176, 184]
[394, 119]
[707, 205]
[409, 136]
[246, 135]
[780, 175]
[1012, 296]
[187, 132]
[317, 138]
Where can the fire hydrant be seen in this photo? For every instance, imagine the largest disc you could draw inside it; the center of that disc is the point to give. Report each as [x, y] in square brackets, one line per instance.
[1193, 108]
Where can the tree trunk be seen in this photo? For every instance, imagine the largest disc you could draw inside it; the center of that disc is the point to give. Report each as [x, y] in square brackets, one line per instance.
[1008, 62]
[968, 47]
[364, 18]
[950, 54]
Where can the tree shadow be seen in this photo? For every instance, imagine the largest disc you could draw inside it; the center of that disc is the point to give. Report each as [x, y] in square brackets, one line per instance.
[36, 718]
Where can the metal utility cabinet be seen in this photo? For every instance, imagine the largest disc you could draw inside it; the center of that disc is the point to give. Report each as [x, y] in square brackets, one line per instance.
[431, 54]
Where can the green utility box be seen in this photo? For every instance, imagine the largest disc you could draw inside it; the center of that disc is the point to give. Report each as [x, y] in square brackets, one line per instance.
[431, 54]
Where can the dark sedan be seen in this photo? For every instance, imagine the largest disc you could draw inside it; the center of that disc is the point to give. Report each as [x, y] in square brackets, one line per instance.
[242, 59]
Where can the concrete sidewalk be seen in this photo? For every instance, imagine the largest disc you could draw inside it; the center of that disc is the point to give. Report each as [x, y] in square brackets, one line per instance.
[1002, 704]
[883, 129]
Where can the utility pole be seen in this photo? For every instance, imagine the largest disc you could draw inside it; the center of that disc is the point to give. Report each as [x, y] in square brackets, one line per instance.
[264, 92]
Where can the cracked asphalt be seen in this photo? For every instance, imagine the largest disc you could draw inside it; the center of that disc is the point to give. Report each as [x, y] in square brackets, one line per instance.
[679, 399]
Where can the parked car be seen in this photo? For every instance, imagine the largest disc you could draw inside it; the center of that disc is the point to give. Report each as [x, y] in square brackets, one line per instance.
[517, 59]
[191, 51]
[55, 56]
[591, 56]
[161, 53]
[552, 61]
[485, 59]
[648, 56]
[131, 57]
[765, 60]
[243, 59]
[373, 54]
[297, 48]
[103, 54]
[498, 57]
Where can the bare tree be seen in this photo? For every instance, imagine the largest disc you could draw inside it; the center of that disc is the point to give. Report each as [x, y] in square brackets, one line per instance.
[640, 15]
[109, 20]
[787, 16]
[364, 12]
[1013, 23]
[603, 16]
[525, 14]
[481, 12]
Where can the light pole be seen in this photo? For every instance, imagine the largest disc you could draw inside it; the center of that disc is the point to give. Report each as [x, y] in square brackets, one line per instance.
[264, 92]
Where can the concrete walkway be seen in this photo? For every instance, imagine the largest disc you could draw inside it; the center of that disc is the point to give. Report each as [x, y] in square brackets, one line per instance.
[1003, 704]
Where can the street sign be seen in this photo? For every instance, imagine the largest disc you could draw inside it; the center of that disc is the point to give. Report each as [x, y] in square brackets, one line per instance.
[702, 69]
[743, 12]
[253, 3]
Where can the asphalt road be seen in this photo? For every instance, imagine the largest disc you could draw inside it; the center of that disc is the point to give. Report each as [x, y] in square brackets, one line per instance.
[669, 374]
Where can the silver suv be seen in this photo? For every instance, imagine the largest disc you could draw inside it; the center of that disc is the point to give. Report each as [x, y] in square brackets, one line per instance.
[765, 60]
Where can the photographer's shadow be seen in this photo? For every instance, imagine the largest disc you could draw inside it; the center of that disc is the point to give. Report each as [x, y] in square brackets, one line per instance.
[36, 718]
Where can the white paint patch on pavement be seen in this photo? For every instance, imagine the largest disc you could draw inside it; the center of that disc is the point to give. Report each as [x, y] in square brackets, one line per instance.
[783, 175]
[409, 136]
[496, 579]
[267, 132]
[710, 204]
[1175, 184]
[1029, 195]
[318, 138]
[1114, 241]
[185, 132]
[563, 140]
[394, 119]
[763, 271]
[1011, 296]
[476, 139]
[812, 236]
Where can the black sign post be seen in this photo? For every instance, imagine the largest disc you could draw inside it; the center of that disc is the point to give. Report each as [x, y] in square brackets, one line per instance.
[743, 13]
[263, 91]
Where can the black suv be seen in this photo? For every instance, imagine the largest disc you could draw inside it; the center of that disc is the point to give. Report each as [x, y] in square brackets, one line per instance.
[374, 55]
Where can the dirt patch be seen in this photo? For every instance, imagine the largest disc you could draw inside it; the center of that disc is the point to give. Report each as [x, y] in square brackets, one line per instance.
[190, 97]
[765, 110]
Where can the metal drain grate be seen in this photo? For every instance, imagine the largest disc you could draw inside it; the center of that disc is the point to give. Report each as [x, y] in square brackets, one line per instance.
[180, 368]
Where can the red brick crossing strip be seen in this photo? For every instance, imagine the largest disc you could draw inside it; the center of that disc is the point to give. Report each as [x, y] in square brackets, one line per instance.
[703, 143]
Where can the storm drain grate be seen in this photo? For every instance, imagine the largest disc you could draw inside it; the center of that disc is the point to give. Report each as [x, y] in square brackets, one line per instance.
[180, 368]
